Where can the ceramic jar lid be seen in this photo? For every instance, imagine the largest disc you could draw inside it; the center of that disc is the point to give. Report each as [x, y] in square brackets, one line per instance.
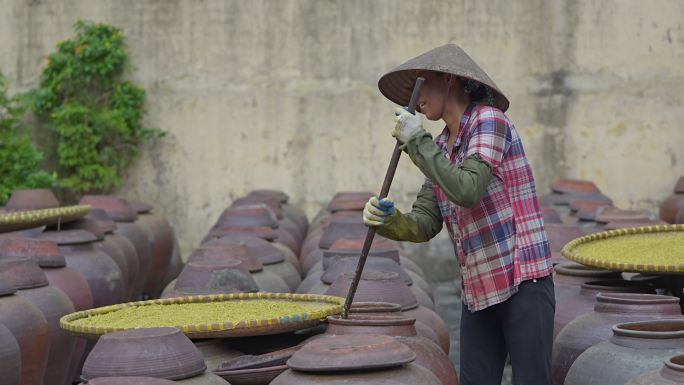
[34, 199]
[106, 223]
[69, 237]
[22, 273]
[129, 381]
[153, 352]
[219, 253]
[211, 277]
[351, 353]
[348, 265]
[256, 247]
[117, 208]
[41, 251]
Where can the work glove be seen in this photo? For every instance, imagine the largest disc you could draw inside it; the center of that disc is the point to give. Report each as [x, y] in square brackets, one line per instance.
[406, 125]
[378, 212]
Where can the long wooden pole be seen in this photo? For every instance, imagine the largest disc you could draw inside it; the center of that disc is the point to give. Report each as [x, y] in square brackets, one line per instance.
[389, 175]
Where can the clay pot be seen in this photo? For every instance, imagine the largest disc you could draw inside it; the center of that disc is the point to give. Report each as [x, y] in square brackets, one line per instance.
[30, 329]
[342, 228]
[634, 349]
[265, 233]
[354, 359]
[99, 269]
[273, 258]
[594, 327]
[175, 264]
[33, 285]
[297, 216]
[349, 265]
[671, 373]
[117, 245]
[670, 207]
[550, 215]
[385, 308]
[266, 281]
[128, 381]
[257, 215]
[163, 241]
[582, 301]
[119, 210]
[10, 357]
[574, 274]
[152, 352]
[569, 185]
[349, 201]
[33, 199]
[614, 214]
[211, 277]
[277, 195]
[428, 354]
[388, 287]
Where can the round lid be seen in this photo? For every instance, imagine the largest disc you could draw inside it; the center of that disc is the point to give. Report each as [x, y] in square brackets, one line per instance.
[272, 203]
[141, 207]
[34, 199]
[69, 237]
[106, 223]
[262, 249]
[42, 251]
[635, 303]
[379, 243]
[611, 214]
[201, 277]
[22, 273]
[655, 329]
[117, 208]
[270, 194]
[569, 185]
[330, 257]
[342, 228]
[348, 265]
[374, 307]
[376, 286]
[261, 232]
[577, 270]
[351, 352]
[219, 253]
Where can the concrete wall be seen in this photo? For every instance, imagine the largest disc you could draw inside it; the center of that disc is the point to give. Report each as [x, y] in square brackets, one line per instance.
[282, 93]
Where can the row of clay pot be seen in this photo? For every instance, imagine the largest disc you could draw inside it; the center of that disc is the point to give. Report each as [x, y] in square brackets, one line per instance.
[576, 208]
[589, 302]
[250, 248]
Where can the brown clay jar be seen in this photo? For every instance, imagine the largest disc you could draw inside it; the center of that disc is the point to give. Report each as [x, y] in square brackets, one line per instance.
[377, 286]
[596, 326]
[583, 301]
[30, 329]
[386, 308]
[163, 241]
[33, 285]
[203, 277]
[10, 357]
[354, 359]
[634, 348]
[428, 354]
[99, 269]
[32, 199]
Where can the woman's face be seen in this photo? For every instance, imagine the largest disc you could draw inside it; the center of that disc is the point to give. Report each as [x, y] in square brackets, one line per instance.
[433, 95]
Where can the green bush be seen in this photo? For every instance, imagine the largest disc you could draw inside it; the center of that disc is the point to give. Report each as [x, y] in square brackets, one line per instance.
[19, 159]
[95, 117]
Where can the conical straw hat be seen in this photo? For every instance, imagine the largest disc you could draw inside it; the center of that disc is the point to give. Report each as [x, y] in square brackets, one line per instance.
[397, 84]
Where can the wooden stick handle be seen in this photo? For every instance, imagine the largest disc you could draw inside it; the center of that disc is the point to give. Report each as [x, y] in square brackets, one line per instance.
[386, 184]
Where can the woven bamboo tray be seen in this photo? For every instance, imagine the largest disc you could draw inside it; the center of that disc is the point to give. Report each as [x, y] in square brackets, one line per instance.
[21, 220]
[254, 327]
[660, 255]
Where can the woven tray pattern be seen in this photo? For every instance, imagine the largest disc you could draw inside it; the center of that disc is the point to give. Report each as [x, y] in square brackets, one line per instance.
[254, 327]
[676, 266]
[21, 220]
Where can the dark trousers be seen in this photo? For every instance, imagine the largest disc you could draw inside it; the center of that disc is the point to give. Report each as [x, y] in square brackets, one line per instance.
[521, 327]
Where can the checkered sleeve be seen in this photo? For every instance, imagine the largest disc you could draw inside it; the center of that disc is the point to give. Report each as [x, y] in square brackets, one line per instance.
[490, 136]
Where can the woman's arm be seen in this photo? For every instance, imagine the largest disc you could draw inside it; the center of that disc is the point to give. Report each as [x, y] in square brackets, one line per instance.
[420, 225]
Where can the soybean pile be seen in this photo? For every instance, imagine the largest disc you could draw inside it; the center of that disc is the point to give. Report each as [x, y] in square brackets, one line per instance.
[665, 248]
[199, 313]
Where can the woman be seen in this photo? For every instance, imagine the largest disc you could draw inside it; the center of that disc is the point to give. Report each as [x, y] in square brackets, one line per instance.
[480, 184]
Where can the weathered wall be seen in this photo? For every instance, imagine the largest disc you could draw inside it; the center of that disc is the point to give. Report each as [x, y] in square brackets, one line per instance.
[282, 93]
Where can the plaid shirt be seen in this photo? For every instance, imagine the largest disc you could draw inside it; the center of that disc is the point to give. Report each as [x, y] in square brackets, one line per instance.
[500, 241]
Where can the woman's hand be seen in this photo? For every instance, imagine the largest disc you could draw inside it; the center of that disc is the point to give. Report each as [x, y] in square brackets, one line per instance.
[377, 212]
[406, 125]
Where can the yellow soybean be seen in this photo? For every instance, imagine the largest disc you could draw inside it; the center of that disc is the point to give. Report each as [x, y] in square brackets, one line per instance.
[664, 248]
[198, 313]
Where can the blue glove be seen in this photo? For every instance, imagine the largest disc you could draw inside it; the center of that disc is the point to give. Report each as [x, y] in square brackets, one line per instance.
[377, 212]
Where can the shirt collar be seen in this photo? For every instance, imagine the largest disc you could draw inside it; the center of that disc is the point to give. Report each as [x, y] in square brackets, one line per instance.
[443, 137]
